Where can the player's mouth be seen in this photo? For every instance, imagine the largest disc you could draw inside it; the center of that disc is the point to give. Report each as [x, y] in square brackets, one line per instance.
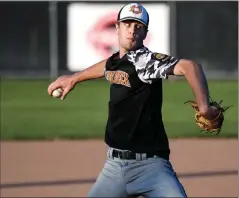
[131, 39]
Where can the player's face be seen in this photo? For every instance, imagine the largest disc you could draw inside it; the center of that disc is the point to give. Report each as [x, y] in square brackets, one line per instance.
[130, 34]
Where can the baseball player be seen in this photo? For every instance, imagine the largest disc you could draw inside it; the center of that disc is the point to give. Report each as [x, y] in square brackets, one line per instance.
[138, 158]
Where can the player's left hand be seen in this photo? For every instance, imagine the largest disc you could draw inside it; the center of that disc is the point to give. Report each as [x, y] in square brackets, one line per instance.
[211, 118]
[209, 112]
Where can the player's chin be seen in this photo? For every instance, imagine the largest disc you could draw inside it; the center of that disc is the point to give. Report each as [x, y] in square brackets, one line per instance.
[130, 46]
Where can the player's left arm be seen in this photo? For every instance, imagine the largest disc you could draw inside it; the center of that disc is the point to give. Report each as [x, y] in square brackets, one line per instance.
[152, 66]
[159, 65]
[196, 78]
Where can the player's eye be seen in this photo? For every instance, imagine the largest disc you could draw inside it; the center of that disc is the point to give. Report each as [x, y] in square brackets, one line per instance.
[138, 26]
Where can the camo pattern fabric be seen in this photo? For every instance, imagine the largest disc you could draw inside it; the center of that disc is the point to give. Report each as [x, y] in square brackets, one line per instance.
[151, 66]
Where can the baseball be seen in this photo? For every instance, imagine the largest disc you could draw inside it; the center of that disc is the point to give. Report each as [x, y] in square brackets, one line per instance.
[57, 93]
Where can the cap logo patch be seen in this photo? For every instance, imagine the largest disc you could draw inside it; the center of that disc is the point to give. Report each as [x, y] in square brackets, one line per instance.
[135, 9]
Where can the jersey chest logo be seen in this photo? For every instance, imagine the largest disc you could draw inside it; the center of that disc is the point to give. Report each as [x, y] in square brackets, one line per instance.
[118, 77]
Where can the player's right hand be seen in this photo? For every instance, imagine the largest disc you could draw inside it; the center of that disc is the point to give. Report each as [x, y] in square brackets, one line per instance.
[65, 82]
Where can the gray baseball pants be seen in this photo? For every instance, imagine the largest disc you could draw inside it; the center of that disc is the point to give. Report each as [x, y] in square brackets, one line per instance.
[152, 177]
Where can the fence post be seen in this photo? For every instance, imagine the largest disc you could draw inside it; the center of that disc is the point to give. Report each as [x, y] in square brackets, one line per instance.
[53, 39]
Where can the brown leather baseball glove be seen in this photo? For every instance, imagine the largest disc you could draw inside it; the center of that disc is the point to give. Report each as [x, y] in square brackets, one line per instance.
[209, 126]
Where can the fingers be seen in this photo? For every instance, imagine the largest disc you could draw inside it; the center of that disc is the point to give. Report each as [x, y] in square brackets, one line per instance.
[58, 83]
[65, 92]
[52, 87]
[63, 82]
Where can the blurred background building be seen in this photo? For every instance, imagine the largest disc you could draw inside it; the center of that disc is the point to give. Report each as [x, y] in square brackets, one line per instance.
[46, 39]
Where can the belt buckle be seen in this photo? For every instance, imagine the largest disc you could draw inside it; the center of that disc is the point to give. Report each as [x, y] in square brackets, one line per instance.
[121, 154]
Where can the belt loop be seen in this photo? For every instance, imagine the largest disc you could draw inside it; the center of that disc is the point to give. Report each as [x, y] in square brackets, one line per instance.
[141, 156]
[144, 156]
[110, 153]
[138, 156]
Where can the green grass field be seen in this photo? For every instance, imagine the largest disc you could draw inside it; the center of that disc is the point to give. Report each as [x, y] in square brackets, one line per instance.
[27, 112]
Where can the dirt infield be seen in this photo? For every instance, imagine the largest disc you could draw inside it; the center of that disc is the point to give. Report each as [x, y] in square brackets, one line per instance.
[207, 168]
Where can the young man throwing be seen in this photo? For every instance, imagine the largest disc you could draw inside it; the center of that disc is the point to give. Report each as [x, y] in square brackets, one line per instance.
[138, 157]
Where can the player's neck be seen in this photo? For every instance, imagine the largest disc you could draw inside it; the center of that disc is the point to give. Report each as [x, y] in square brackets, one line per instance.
[123, 51]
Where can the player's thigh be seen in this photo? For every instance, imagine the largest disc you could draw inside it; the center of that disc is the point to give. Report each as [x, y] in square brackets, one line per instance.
[163, 181]
[109, 182]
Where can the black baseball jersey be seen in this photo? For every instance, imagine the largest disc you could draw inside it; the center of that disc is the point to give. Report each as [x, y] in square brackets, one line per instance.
[134, 117]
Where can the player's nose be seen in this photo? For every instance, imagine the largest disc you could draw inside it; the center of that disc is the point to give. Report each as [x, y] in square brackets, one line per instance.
[132, 30]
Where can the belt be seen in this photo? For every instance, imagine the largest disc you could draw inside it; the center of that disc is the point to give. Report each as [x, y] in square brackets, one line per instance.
[128, 155]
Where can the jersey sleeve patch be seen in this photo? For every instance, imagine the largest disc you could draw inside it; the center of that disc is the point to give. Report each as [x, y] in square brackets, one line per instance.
[151, 66]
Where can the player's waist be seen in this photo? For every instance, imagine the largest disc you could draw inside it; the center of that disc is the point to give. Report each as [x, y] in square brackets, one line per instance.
[129, 155]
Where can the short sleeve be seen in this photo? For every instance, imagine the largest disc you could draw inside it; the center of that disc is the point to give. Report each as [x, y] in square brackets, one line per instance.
[151, 66]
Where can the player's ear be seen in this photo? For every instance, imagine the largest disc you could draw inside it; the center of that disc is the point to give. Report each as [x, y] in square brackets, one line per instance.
[145, 35]
[116, 28]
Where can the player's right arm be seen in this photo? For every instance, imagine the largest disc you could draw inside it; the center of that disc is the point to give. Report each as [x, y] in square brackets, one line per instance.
[68, 82]
[93, 72]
